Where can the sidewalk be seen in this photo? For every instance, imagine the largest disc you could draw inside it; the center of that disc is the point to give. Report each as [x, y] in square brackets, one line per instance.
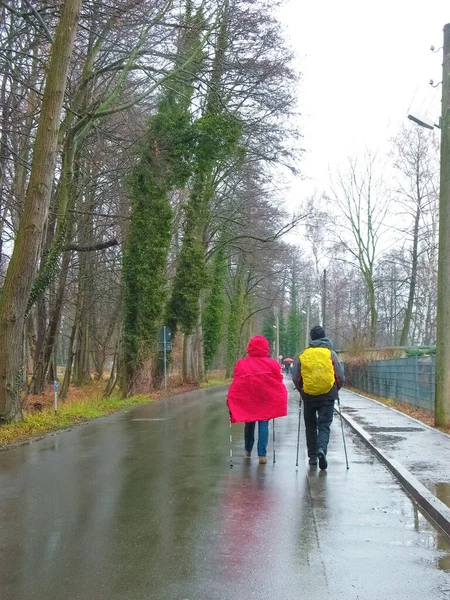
[417, 454]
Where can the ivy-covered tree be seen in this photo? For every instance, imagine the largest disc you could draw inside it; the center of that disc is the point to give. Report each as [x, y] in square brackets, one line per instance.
[215, 308]
[165, 162]
[234, 321]
[283, 334]
[217, 134]
[294, 323]
[216, 138]
[160, 167]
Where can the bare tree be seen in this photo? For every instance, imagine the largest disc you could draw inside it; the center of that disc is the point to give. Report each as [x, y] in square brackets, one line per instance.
[21, 269]
[417, 165]
[360, 194]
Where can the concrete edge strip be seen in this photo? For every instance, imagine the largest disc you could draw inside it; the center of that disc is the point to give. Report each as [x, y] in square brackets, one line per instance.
[399, 412]
[436, 510]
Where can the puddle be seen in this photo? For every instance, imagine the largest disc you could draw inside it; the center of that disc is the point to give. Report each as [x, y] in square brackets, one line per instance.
[444, 563]
[420, 466]
[375, 429]
[149, 419]
[441, 542]
[442, 491]
[387, 441]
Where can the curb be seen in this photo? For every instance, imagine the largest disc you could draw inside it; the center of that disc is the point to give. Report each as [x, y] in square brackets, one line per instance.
[436, 511]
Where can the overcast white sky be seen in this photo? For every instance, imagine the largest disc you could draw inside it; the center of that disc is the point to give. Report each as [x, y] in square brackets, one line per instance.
[364, 65]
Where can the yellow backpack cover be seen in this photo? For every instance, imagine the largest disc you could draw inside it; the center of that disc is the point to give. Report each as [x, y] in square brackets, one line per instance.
[317, 371]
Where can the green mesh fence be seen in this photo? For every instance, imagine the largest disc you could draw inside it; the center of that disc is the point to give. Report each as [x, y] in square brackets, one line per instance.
[409, 380]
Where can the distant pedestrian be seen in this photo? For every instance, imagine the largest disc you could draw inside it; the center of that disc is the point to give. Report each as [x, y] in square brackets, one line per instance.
[318, 375]
[257, 394]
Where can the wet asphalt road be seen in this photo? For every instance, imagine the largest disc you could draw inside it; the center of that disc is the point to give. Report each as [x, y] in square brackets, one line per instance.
[424, 451]
[143, 505]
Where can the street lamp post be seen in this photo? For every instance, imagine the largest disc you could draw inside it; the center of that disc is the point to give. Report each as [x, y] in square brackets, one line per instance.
[442, 385]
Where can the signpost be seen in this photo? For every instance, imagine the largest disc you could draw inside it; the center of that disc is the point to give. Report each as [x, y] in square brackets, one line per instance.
[55, 394]
[164, 345]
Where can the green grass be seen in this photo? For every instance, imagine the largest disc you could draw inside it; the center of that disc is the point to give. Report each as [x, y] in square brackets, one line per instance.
[36, 424]
[212, 382]
[83, 404]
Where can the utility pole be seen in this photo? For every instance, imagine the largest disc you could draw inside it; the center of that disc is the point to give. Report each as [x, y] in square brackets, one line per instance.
[324, 298]
[442, 406]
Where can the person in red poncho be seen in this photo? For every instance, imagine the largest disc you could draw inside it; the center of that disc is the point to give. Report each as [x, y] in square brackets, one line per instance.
[257, 393]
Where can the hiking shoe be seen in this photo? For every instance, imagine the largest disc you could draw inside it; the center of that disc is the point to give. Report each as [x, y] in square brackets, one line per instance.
[262, 460]
[323, 463]
[313, 460]
[248, 454]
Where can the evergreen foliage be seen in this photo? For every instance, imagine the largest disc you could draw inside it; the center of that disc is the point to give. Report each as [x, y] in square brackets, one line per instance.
[294, 324]
[48, 269]
[283, 335]
[214, 312]
[162, 165]
[166, 161]
[420, 351]
[269, 331]
[216, 139]
[234, 322]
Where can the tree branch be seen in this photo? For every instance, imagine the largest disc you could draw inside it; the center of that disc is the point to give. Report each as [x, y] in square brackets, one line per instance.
[91, 247]
[48, 35]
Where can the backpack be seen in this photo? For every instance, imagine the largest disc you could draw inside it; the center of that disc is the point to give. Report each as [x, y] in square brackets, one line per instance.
[317, 371]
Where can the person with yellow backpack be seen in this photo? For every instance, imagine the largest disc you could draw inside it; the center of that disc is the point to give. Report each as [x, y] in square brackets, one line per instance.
[318, 375]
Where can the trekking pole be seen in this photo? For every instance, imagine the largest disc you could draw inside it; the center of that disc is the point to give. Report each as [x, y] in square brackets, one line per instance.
[273, 434]
[343, 436]
[231, 447]
[298, 432]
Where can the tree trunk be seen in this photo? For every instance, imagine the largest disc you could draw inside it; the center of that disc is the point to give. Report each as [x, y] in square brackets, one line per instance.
[45, 351]
[102, 347]
[201, 374]
[373, 312]
[81, 369]
[68, 372]
[413, 280]
[22, 267]
[114, 375]
[187, 341]
[37, 385]
[234, 321]
[70, 351]
[373, 324]
[31, 346]
[193, 355]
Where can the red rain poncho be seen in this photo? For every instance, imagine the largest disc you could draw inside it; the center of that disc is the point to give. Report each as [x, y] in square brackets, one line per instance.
[257, 392]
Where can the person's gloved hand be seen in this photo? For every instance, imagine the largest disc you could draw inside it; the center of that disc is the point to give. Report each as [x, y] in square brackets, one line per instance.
[229, 411]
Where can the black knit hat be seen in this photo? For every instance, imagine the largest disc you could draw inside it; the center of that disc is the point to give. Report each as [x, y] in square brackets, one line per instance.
[317, 332]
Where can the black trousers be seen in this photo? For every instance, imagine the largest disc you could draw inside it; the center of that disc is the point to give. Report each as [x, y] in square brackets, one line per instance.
[318, 419]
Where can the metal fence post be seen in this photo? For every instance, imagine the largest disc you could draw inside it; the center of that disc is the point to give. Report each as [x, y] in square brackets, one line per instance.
[417, 381]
